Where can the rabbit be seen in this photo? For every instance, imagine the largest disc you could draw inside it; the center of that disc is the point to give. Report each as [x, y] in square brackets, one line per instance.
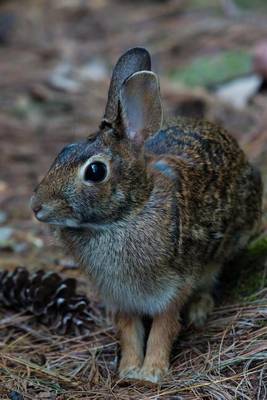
[151, 209]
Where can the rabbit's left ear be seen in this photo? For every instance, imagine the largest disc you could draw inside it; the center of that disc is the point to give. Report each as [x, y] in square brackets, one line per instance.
[133, 60]
[140, 106]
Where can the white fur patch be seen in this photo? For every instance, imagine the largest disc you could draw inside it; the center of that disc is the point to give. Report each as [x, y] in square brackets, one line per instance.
[127, 281]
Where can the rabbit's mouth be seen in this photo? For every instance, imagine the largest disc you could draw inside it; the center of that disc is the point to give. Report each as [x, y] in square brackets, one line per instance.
[61, 214]
[51, 215]
[64, 222]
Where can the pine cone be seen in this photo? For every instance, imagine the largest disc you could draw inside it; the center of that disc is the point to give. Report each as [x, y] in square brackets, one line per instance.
[51, 298]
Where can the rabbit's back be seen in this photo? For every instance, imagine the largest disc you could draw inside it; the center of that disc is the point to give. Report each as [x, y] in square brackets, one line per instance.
[219, 190]
[194, 139]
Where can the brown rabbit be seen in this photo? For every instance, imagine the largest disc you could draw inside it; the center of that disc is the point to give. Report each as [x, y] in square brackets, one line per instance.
[151, 213]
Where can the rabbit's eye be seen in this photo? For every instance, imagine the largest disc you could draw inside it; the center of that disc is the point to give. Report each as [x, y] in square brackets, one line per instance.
[95, 172]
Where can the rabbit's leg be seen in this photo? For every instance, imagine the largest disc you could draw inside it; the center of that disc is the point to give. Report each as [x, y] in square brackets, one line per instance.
[201, 303]
[199, 308]
[164, 330]
[131, 332]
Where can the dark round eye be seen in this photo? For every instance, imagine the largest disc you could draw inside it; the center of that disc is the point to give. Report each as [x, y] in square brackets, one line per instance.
[95, 172]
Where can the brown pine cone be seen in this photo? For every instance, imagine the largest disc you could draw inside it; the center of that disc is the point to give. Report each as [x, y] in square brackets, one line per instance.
[51, 298]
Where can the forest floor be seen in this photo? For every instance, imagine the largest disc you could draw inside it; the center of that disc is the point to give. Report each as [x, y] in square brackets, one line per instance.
[55, 63]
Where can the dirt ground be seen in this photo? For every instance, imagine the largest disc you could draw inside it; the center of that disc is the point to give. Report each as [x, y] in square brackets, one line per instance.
[55, 63]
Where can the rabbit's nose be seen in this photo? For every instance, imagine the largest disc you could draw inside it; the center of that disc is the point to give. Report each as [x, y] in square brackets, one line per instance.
[35, 206]
[36, 209]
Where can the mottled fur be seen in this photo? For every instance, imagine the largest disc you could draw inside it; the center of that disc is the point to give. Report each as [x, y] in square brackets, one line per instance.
[179, 202]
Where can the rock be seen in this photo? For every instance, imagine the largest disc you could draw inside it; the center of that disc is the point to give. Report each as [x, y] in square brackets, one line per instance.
[20, 247]
[68, 78]
[62, 78]
[10, 242]
[239, 91]
[5, 233]
[94, 70]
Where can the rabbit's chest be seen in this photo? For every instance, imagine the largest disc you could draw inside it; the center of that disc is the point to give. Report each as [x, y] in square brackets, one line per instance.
[130, 275]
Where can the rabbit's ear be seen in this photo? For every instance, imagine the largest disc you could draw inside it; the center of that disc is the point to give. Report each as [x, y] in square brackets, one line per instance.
[135, 59]
[140, 106]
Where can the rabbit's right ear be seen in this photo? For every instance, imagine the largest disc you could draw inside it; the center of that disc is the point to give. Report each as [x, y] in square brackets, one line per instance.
[134, 60]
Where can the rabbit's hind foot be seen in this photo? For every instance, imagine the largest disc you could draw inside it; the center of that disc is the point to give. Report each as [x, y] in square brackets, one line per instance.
[199, 309]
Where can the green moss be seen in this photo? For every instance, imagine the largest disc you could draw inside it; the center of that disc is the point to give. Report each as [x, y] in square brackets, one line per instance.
[247, 273]
[252, 5]
[217, 4]
[250, 284]
[213, 69]
[210, 4]
[258, 246]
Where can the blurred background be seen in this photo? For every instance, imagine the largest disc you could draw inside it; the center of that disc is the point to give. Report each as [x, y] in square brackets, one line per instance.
[56, 57]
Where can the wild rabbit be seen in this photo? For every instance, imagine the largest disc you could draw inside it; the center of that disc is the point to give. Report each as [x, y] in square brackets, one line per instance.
[151, 212]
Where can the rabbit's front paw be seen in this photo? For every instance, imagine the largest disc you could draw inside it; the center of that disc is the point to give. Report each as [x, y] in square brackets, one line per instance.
[130, 372]
[153, 373]
[130, 368]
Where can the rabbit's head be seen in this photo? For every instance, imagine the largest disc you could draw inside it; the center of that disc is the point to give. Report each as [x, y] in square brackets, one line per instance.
[104, 177]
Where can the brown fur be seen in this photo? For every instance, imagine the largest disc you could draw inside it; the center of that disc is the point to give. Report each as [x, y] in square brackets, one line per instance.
[178, 201]
[131, 333]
